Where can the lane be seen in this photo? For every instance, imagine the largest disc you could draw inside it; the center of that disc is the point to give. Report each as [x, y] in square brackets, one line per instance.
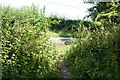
[61, 40]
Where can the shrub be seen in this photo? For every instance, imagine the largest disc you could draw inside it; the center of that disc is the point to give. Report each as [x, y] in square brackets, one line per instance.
[96, 54]
[26, 52]
[70, 28]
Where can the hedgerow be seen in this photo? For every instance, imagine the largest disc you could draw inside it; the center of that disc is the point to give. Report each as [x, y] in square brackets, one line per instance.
[69, 28]
[26, 51]
[96, 54]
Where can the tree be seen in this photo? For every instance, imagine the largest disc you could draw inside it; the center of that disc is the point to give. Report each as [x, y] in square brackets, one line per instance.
[104, 11]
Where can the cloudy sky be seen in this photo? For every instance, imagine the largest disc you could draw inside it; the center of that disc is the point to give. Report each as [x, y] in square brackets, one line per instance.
[71, 9]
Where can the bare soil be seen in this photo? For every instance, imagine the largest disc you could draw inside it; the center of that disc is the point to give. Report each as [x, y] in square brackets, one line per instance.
[64, 68]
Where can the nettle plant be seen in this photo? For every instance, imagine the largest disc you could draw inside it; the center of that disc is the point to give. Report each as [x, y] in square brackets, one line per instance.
[26, 51]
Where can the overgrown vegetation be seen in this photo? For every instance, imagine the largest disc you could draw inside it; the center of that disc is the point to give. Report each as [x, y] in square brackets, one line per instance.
[70, 28]
[26, 52]
[96, 54]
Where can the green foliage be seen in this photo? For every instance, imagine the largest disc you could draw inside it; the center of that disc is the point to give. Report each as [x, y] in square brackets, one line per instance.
[70, 28]
[27, 54]
[105, 12]
[26, 51]
[96, 54]
[66, 24]
[22, 17]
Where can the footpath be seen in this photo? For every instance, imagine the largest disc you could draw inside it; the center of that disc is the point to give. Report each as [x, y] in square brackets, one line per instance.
[64, 68]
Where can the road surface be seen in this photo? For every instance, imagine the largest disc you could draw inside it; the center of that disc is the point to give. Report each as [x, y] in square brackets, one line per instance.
[61, 40]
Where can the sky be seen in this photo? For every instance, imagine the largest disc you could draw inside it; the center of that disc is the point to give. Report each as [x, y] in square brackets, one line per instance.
[71, 9]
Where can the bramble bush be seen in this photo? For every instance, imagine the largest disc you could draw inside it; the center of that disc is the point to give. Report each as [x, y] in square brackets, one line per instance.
[96, 54]
[27, 54]
[26, 51]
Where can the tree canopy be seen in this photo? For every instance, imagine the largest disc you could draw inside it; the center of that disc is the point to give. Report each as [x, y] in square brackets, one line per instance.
[105, 11]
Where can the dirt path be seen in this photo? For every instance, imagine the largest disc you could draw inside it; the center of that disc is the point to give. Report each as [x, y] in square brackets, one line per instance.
[64, 68]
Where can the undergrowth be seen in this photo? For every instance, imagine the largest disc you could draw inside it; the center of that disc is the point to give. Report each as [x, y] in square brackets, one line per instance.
[96, 54]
